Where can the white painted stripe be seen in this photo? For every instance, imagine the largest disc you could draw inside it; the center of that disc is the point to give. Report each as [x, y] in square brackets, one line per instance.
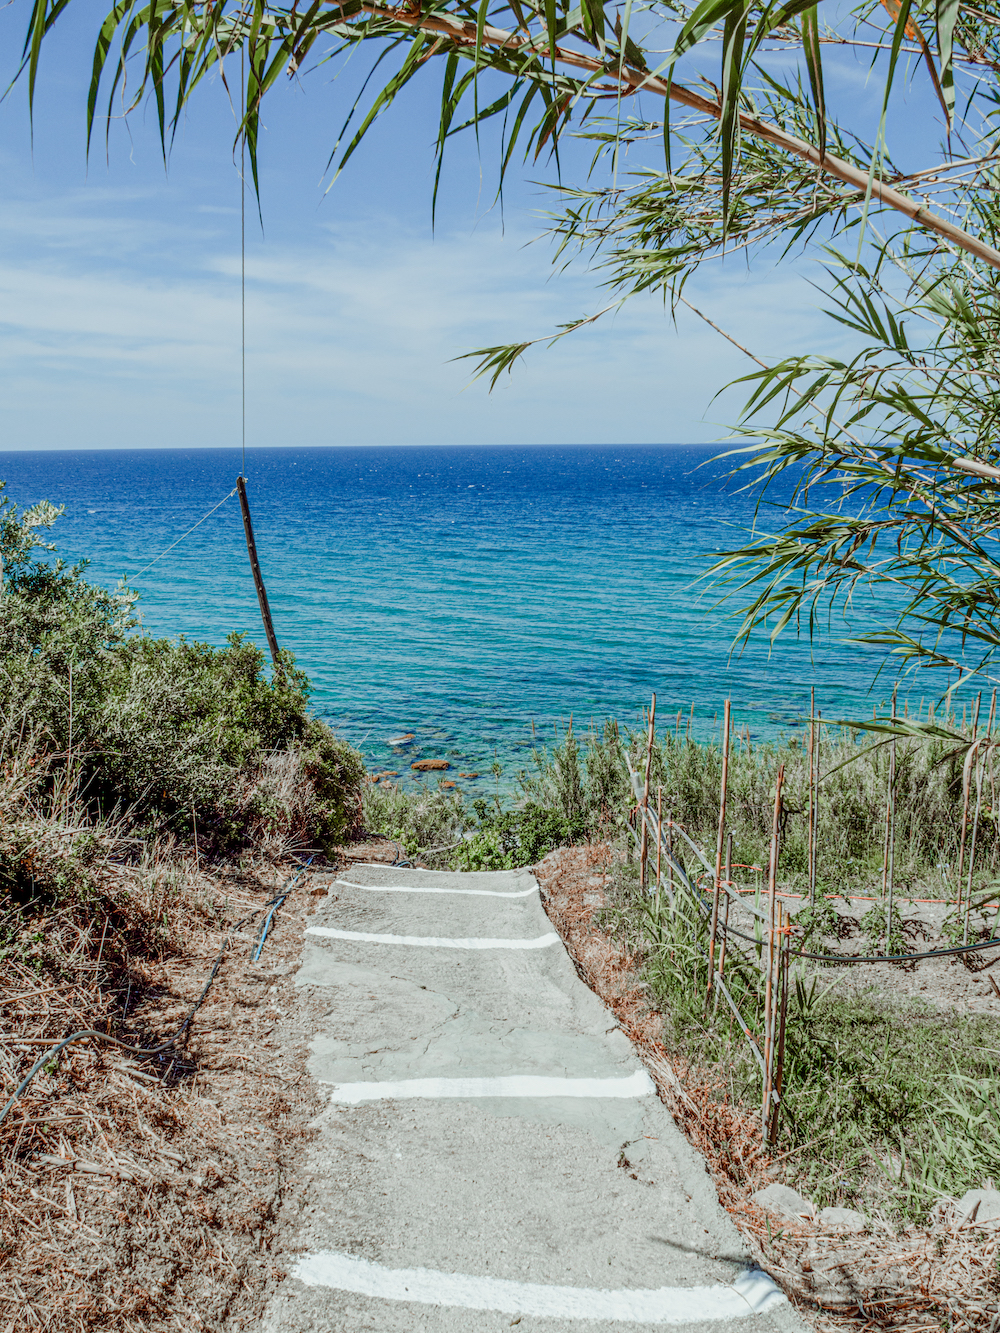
[434, 941]
[428, 888]
[752, 1293]
[638, 1084]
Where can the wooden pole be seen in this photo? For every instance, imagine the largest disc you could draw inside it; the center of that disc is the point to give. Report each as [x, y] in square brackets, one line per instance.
[644, 845]
[258, 578]
[719, 845]
[769, 987]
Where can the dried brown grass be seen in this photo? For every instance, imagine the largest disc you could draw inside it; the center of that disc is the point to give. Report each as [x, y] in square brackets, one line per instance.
[138, 1195]
[942, 1274]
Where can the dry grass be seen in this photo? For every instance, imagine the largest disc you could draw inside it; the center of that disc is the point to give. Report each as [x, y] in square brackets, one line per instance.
[944, 1273]
[139, 1195]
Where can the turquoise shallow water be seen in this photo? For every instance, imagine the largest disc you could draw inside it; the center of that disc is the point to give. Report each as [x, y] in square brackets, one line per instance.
[464, 595]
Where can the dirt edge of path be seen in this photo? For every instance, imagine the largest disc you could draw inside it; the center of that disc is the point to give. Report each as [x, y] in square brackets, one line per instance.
[144, 1195]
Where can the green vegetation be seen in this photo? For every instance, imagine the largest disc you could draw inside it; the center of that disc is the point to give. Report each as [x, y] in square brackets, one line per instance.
[580, 790]
[888, 1104]
[109, 738]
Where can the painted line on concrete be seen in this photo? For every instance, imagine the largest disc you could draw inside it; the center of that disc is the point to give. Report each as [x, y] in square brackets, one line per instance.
[434, 941]
[752, 1293]
[429, 888]
[638, 1084]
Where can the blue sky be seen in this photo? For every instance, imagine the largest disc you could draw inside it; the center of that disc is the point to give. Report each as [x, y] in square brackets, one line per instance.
[119, 287]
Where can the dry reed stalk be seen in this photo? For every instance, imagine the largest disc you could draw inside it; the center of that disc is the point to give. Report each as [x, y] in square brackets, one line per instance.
[769, 987]
[784, 920]
[659, 841]
[644, 845]
[725, 905]
[811, 823]
[972, 844]
[965, 813]
[723, 788]
[889, 855]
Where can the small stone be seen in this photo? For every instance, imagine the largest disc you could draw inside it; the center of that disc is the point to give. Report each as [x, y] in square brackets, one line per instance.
[842, 1219]
[445, 785]
[468, 775]
[429, 765]
[784, 1202]
[985, 1202]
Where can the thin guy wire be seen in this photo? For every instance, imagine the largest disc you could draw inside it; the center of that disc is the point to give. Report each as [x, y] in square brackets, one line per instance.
[186, 534]
[243, 264]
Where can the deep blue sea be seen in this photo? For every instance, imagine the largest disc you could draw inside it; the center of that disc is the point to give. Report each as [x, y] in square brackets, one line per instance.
[479, 598]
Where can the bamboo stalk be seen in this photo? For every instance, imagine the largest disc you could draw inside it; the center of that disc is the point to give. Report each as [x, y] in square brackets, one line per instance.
[723, 789]
[811, 826]
[644, 846]
[670, 857]
[725, 903]
[772, 892]
[659, 842]
[466, 32]
[965, 816]
[972, 848]
[889, 856]
[779, 1062]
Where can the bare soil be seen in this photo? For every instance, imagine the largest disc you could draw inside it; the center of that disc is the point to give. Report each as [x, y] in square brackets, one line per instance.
[960, 982]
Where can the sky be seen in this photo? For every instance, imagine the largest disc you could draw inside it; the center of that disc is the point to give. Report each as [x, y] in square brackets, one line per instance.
[120, 313]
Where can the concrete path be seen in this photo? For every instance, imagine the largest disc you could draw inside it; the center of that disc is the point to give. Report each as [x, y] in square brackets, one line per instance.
[492, 1153]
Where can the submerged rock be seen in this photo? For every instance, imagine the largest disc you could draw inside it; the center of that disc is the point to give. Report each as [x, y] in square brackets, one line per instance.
[784, 1202]
[429, 765]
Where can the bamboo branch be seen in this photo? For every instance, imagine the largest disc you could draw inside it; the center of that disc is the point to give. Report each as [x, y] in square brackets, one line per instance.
[464, 33]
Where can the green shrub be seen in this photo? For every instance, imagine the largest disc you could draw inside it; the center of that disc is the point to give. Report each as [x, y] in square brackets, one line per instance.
[171, 734]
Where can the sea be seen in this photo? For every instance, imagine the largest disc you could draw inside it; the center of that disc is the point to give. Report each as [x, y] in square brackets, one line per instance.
[464, 603]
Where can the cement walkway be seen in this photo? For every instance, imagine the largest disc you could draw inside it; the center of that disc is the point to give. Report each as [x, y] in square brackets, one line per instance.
[492, 1153]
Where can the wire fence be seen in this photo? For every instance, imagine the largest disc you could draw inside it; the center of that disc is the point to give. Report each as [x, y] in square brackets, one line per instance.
[681, 892]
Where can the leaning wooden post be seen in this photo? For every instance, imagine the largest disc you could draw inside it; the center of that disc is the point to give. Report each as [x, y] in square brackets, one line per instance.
[769, 987]
[719, 845]
[258, 578]
[644, 845]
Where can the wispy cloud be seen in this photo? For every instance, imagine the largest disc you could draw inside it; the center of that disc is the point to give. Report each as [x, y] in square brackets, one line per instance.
[117, 333]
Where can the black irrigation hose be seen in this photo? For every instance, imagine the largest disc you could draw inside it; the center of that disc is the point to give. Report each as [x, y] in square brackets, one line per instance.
[145, 1052]
[866, 958]
[400, 860]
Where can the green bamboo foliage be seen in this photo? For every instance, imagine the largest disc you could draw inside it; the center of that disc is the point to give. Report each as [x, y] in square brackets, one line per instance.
[551, 60]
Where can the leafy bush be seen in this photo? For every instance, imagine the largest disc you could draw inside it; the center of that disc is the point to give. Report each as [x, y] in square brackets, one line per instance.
[517, 837]
[418, 820]
[176, 734]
